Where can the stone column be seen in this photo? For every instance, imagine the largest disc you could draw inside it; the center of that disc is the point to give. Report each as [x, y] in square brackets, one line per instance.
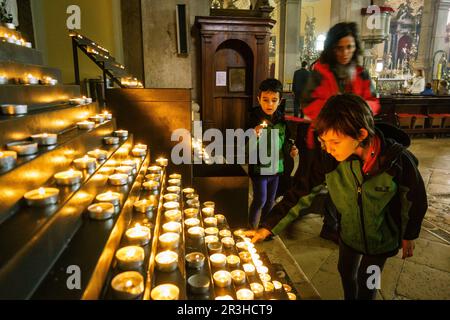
[425, 50]
[439, 34]
[289, 26]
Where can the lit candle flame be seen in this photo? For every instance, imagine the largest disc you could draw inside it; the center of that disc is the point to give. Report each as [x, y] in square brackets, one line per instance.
[41, 191]
[129, 283]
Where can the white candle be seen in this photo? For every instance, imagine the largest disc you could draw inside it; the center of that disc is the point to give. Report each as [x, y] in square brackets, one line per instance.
[190, 213]
[222, 279]
[121, 133]
[165, 292]
[14, 109]
[224, 233]
[257, 288]
[192, 222]
[42, 197]
[85, 163]
[210, 222]
[169, 240]
[153, 176]
[101, 211]
[129, 163]
[220, 218]
[225, 297]
[218, 260]
[173, 215]
[239, 233]
[85, 125]
[245, 294]
[265, 277]
[238, 277]
[128, 170]
[210, 239]
[144, 206]
[111, 197]
[151, 185]
[138, 235]
[175, 176]
[198, 284]
[195, 260]
[245, 256]
[98, 154]
[172, 226]
[214, 247]
[196, 232]
[166, 261]
[23, 148]
[45, 139]
[191, 196]
[68, 178]
[173, 189]
[3, 79]
[209, 204]
[227, 242]
[128, 285]
[130, 258]
[174, 182]
[118, 179]
[163, 162]
[171, 197]
[208, 212]
[262, 269]
[188, 190]
[249, 269]
[277, 285]
[107, 115]
[111, 140]
[141, 146]
[107, 171]
[137, 152]
[172, 205]
[7, 159]
[98, 118]
[212, 231]
[233, 261]
[268, 286]
[155, 169]
[192, 203]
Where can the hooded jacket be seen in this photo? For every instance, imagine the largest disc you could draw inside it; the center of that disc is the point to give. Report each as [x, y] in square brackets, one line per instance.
[376, 210]
[276, 121]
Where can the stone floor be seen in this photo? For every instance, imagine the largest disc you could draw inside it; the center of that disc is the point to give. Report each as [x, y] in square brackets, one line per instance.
[426, 275]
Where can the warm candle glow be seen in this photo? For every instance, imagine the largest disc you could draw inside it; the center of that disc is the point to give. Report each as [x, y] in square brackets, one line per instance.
[218, 260]
[222, 278]
[245, 294]
[165, 292]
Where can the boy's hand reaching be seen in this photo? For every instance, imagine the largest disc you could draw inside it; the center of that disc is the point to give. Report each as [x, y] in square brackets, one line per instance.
[258, 235]
[258, 129]
[408, 248]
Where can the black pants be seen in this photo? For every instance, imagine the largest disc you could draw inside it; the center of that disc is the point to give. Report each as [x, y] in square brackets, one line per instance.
[353, 268]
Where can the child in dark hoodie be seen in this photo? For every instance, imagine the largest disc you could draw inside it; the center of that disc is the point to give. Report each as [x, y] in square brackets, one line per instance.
[375, 185]
[268, 117]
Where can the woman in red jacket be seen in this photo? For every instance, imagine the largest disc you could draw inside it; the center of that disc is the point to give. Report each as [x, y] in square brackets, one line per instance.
[336, 72]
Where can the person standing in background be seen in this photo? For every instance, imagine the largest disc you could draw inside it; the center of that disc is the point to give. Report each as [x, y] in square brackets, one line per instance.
[298, 86]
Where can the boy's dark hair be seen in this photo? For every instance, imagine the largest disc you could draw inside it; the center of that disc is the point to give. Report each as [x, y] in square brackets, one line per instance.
[272, 85]
[336, 33]
[428, 86]
[304, 64]
[346, 114]
[444, 83]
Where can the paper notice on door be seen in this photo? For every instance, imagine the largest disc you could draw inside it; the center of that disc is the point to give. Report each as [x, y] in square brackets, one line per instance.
[221, 79]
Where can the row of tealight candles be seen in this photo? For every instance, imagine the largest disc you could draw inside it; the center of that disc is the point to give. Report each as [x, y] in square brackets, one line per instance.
[12, 38]
[30, 79]
[129, 283]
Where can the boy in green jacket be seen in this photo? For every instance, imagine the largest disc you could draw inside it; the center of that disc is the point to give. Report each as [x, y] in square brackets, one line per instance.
[374, 183]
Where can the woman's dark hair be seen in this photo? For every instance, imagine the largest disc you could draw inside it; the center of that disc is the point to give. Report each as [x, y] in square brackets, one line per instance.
[272, 85]
[428, 85]
[346, 114]
[336, 33]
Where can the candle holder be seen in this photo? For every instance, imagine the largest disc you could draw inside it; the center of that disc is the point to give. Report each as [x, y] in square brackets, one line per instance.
[101, 211]
[249, 269]
[128, 285]
[196, 233]
[195, 260]
[245, 257]
[136, 152]
[14, 109]
[222, 279]
[165, 292]
[173, 189]
[97, 118]
[212, 231]
[258, 289]
[262, 270]
[110, 197]
[198, 284]
[291, 296]
[111, 140]
[171, 197]
[123, 134]
[245, 294]
[138, 235]
[151, 185]
[175, 176]
[211, 239]
[233, 261]
[227, 242]
[107, 115]
[153, 176]
[239, 233]
[190, 213]
[172, 205]
[127, 170]
[166, 261]
[225, 233]
[268, 287]
[218, 260]
[187, 191]
[265, 277]
[85, 125]
[68, 178]
[144, 206]
[163, 162]
[154, 169]
[210, 222]
[3, 80]
[238, 277]
[191, 196]
[215, 247]
[172, 226]
[224, 297]
[169, 241]
[7, 159]
[118, 179]
[220, 219]
[130, 258]
[107, 171]
[192, 222]
[129, 163]
[85, 163]
[173, 215]
[23, 148]
[209, 204]
[98, 154]
[42, 197]
[208, 212]
[141, 146]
